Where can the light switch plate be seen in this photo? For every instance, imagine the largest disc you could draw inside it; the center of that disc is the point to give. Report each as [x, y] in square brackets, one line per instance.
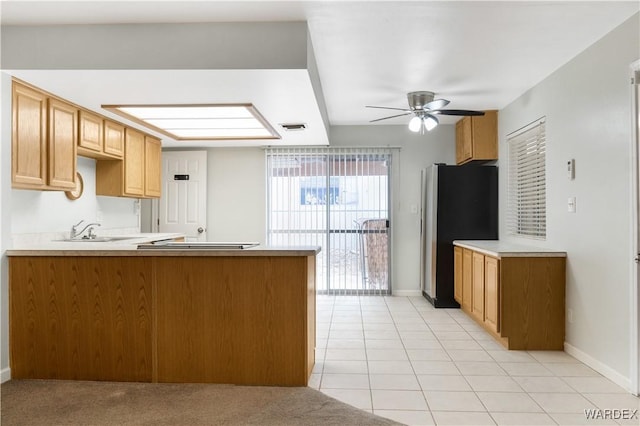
[571, 169]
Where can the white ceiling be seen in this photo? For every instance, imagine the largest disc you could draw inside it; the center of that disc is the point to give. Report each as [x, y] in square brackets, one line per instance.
[479, 55]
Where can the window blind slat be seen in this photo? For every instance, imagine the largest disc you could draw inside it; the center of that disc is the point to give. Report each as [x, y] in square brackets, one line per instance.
[527, 213]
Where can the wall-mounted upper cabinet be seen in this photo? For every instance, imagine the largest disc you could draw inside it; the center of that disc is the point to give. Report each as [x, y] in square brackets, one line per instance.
[48, 133]
[152, 167]
[99, 138]
[44, 137]
[477, 138]
[138, 175]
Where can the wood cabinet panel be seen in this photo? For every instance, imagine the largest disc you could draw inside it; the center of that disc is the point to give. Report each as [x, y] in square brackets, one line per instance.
[29, 138]
[457, 274]
[113, 139]
[477, 138]
[229, 320]
[152, 167]
[90, 133]
[134, 149]
[491, 294]
[240, 320]
[80, 318]
[477, 299]
[467, 279]
[62, 142]
[533, 310]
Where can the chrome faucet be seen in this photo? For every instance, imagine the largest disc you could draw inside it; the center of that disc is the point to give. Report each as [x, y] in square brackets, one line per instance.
[74, 230]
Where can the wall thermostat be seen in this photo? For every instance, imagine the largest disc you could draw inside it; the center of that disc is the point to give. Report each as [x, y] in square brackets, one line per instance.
[571, 169]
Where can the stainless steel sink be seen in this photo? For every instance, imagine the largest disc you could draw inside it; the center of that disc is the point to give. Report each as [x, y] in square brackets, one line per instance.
[95, 240]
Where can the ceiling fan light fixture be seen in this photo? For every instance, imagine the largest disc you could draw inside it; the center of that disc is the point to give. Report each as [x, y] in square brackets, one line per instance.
[415, 124]
[430, 122]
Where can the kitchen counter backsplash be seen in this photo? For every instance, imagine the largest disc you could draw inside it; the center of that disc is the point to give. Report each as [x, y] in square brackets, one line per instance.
[21, 240]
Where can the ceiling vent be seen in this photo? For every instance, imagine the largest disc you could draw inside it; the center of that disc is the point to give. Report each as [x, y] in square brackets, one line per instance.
[293, 126]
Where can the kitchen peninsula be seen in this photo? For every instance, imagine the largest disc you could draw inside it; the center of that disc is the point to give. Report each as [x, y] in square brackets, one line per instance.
[109, 311]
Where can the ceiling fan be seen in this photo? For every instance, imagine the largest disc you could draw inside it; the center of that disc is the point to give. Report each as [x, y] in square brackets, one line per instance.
[424, 108]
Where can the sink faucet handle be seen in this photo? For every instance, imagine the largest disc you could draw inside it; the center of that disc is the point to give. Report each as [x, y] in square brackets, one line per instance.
[92, 232]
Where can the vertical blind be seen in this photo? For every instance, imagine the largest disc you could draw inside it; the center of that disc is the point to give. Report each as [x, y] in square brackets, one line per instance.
[338, 199]
[527, 211]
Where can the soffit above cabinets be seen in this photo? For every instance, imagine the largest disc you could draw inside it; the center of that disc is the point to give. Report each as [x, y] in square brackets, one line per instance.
[268, 65]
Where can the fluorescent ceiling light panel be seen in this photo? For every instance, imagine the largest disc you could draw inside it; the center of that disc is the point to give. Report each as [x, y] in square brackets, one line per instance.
[199, 122]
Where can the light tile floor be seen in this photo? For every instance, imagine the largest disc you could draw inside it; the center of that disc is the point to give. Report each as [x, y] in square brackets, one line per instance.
[400, 358]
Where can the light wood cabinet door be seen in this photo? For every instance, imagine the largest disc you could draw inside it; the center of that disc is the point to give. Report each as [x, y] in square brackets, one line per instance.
[464, 143]
[477, 138]
[113, 139]
[457, 274]
[153, 167]
[491, 294]
[62, 141]
[29, 138]
[134, 163]
[90, 133]
[477, 304]
[467, 279]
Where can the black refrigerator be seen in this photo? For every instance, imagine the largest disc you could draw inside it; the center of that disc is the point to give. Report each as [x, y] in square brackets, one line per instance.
[458, 203]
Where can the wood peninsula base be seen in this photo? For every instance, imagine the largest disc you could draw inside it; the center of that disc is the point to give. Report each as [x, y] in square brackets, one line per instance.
[210, 318]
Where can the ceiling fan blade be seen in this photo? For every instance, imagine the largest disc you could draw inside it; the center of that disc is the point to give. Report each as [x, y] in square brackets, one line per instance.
[456, 112]
[379, 107]
[391, 116]
[436, 104]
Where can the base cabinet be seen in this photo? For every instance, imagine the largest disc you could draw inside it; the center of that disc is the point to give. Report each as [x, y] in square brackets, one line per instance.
[477, 285]
[244, 320]
[491, 294]
[467, 276]
[519, 300]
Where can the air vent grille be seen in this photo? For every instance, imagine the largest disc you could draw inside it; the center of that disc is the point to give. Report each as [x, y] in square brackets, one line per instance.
[293, 126]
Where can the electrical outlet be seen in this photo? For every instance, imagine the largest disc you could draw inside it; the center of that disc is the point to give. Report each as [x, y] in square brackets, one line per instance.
[570, 316]
[571, 205]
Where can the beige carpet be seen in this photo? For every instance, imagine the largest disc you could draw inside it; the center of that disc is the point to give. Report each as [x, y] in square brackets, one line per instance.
[50, 402]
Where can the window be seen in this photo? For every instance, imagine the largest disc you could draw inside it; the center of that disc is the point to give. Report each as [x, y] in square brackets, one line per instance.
[527, 211]
[336, 198]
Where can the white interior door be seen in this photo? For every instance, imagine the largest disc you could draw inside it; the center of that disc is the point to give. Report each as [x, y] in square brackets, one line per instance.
[183, 204]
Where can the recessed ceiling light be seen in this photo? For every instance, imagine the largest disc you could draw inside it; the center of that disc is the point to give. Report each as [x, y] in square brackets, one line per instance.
[200, 122]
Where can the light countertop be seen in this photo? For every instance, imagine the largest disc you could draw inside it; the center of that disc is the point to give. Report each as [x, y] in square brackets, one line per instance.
[498, 248]
[127, 245]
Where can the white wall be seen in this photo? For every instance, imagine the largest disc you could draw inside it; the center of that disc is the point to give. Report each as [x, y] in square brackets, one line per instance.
[52, 211]
[587, 105]
[236, 194]
[416, 152]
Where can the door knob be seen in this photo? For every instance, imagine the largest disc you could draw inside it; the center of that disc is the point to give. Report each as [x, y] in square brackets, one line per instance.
[200, 230]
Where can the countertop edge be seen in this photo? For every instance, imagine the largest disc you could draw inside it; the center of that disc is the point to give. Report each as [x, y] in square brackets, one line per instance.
[499, 249]
[274, 252]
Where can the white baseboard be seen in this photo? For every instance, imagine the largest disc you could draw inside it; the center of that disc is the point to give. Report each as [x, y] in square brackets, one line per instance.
[5, 375]
[601, 368]
[407, 293]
